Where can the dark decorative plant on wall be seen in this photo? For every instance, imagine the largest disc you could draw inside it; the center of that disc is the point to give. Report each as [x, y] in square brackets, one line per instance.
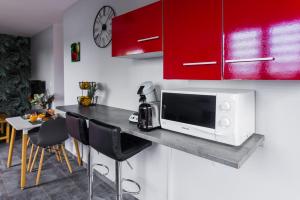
[75, 52]
[14, 74]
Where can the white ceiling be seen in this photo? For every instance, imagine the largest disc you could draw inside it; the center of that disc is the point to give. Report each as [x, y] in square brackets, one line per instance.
[28, 17]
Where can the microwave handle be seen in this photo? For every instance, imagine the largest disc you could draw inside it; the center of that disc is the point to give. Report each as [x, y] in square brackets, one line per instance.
[198, 129]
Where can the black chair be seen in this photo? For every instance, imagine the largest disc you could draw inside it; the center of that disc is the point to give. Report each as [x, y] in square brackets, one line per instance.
[77, 128]
[51, 136]
[120, 146]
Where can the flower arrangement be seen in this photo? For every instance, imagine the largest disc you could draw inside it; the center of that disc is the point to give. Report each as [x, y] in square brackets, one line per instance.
[43, 100]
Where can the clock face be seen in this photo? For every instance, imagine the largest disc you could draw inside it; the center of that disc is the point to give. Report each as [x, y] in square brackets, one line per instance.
[102, 30]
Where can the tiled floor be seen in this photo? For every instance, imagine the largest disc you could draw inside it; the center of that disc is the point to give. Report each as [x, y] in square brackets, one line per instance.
[56, 182]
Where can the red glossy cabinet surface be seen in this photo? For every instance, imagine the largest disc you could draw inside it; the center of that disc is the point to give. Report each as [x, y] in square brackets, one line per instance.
[138, 32]
[192, 39]
[262, 39]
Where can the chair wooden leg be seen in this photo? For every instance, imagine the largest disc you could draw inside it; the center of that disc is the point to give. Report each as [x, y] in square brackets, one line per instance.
[66, 158]
[77, 152]
[30, 157]
[2, 128]
[59, 153]
[28, 141]
[56, 153]
[34, 158]
[7, 132]
[37, 181]
[57, 157]
[11, 147]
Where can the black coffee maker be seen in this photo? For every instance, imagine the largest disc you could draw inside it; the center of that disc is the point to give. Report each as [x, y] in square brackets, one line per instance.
[148, 117]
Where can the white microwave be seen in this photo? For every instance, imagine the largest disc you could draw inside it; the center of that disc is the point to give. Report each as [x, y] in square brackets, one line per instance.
[222, 115]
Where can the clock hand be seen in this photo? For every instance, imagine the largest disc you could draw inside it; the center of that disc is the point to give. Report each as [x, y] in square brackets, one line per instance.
[99, 20]
[96, 35]
[111, 12]
[101, 33]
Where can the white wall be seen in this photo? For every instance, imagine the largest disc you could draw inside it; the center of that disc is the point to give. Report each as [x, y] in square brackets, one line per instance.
[42, 57]
[48, 61]
[58, 61]
[271, 173]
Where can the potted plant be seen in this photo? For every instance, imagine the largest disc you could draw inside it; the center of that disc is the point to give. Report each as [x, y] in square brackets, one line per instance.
[43, 101]
[90, 98]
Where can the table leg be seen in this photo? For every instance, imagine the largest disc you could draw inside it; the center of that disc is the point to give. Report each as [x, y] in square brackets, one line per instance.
[11, 147]
[24, 158]
[7, 132]
[2, 128]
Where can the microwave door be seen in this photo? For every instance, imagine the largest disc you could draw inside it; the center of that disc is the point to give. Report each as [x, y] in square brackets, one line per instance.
[197, 110]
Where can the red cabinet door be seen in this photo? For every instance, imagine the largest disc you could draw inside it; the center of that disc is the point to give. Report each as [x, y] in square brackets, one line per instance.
[192, 39]
[123, 38]
[149, 26]
[262, 39]
[138, 32]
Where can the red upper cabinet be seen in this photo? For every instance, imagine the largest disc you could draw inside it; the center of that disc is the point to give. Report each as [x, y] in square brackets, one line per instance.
[262, 39]
[192, 39]
[138, 33]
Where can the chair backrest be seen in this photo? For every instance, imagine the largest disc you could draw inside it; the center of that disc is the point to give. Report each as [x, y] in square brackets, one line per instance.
[77, 127]
[52, 132]
[105, 138]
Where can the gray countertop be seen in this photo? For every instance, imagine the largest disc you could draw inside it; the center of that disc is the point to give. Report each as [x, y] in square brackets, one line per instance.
[218, 152]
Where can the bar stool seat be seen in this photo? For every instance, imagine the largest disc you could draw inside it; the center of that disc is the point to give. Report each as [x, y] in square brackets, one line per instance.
[78, 130]
[120, 146]
[110, 141]
[131, 145]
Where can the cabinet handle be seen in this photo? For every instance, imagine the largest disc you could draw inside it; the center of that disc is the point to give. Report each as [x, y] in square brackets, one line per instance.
[250, 60]
[199, 63]
[149, 38]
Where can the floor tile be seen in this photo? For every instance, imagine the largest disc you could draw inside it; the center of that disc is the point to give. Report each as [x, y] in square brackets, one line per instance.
[56, 182]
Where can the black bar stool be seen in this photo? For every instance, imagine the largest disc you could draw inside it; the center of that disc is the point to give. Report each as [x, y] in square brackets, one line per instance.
[120, 146]
[77, 128]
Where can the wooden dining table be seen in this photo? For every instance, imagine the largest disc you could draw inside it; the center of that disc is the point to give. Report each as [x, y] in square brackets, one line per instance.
[20, 124]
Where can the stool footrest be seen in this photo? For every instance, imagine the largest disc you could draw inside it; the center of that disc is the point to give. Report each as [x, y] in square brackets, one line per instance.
[102, 166]
[135, 183]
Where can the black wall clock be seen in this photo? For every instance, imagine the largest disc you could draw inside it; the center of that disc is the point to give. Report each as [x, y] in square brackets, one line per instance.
[102, 29]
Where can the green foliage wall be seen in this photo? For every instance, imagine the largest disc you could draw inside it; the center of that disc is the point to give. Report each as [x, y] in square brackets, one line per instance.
[15, 71]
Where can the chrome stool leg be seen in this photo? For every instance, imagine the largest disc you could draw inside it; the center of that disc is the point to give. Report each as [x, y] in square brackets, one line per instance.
[119, 180]
[91, 169]
[89, 174]
[92, 180]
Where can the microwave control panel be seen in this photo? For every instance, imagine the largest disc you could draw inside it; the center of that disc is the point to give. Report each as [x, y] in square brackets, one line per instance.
[225, 112]
[224, 122]
[225, 106]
